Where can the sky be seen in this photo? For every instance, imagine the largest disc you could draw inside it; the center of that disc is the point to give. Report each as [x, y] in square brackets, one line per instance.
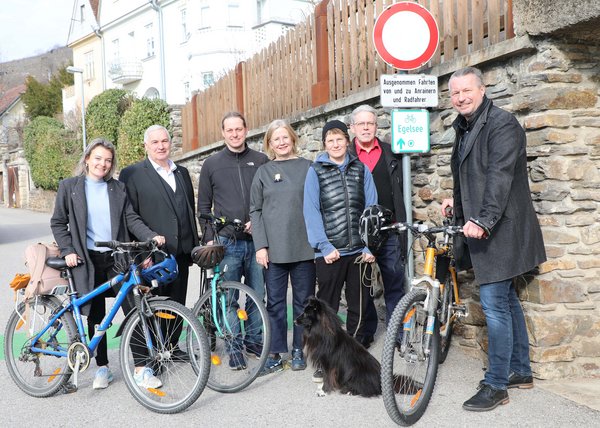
[32, 27]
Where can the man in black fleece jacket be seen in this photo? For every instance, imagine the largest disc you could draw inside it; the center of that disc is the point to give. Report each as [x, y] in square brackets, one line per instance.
[224, 190]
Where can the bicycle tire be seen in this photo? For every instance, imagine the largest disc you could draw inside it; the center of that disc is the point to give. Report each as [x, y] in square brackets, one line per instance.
[183, 375]
[250, 347]
[38, 375]
[407, 375]
[448, 320]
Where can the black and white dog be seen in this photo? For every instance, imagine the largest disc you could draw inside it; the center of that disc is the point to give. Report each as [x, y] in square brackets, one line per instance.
[347, 366]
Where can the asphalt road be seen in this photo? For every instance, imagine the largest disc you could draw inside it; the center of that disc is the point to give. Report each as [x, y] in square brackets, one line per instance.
[281, 399]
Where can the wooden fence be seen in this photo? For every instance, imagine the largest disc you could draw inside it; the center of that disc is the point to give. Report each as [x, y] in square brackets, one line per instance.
[330, 56]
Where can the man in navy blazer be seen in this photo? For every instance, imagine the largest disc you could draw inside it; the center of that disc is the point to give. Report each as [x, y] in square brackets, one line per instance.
[503, 239]
[161, 193]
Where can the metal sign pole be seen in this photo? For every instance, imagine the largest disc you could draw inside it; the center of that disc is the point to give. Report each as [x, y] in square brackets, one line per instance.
[407, 192]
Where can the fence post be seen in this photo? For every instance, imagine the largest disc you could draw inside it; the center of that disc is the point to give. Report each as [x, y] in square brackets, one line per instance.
[239, 87]
[320, 90]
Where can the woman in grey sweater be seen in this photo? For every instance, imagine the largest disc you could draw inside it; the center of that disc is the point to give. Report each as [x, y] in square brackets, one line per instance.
[280, 239]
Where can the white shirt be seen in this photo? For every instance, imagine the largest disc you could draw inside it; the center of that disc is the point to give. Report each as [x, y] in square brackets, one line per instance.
[166, 174]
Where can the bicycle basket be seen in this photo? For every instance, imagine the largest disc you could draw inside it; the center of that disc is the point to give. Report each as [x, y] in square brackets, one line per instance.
[164, 272]
[208, 256]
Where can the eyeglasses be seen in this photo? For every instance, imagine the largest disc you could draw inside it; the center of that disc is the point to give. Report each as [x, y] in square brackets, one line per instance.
[363, 124]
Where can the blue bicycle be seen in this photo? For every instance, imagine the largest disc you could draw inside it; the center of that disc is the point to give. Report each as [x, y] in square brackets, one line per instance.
[46, 345]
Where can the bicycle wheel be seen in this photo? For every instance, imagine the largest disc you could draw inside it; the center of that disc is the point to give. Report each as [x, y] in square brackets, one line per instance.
[447, 319]
[37, 374]
[239, 334]
[408, 372]
[179, 357]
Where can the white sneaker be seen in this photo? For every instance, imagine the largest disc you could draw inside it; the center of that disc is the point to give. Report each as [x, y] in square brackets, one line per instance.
[103, 377]
[146, 379]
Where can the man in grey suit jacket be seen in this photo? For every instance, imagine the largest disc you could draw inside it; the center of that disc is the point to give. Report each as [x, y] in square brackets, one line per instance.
[503, 238]
[161, 193]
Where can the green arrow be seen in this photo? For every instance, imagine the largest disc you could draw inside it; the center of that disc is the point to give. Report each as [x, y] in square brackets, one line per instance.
[401, 142]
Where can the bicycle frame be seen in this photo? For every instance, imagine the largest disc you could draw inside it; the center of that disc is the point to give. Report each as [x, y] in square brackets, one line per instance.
[131, 278]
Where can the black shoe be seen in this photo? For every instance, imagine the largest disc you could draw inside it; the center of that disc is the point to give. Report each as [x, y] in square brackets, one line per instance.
[366, 341]
[487, 398]
[517, 381]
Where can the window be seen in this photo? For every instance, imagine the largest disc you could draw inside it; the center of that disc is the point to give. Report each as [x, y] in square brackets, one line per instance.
[184, 30]
[88, 72]
[234, 15]
[208, 79]
[149, 40]
[82, 13]
[204, 17]
[116, 49]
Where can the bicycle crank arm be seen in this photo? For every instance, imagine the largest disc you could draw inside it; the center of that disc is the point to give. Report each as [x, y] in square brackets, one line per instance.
[460, 311]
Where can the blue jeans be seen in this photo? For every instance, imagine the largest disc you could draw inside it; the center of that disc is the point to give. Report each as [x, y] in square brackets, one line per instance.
[508, 343]
[303, 279]
[240, 260]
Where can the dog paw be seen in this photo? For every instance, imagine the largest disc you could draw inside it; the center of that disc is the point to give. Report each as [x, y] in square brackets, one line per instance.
[321, 394]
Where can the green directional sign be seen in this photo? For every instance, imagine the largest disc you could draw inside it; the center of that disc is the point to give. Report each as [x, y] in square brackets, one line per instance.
[410, 131]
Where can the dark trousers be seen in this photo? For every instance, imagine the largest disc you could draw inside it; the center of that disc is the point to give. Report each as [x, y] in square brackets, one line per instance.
[177, 291]
[103, 271]
[302, 276]
[331, 279]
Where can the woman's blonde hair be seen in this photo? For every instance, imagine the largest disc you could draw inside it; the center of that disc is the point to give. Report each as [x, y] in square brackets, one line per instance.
[81, 168]
[274, 126]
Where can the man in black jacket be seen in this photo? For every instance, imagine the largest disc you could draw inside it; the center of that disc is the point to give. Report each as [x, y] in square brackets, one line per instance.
[224, 190]
[162, 194]
[503, 238]
[386, 168]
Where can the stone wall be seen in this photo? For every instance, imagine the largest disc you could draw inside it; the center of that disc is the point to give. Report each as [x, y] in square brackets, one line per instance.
[552, 88]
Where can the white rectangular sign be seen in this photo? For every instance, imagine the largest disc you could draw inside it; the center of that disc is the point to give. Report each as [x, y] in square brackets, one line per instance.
[410, 131]
[408, 90]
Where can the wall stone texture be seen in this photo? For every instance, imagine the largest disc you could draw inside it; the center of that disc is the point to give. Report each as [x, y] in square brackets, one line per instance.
[554, 94]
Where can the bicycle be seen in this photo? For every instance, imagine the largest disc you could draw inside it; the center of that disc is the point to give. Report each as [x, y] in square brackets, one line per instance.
[234, 317]
[420, 329]
[46, 344]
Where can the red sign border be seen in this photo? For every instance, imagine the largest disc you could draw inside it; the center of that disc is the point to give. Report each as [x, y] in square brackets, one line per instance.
[431, 25]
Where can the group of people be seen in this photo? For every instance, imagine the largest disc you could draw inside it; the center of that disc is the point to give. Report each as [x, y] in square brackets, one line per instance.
[301, 224]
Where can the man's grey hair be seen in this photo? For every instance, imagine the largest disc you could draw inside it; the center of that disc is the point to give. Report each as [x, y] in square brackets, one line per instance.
[362, 108]
[469, 70]
[155, 128]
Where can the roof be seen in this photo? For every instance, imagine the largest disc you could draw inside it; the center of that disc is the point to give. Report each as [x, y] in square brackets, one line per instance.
[94, 4]
[8, 97]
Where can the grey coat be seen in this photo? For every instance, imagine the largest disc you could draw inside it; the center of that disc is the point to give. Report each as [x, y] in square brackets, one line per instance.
[69, 225]
[491, 186]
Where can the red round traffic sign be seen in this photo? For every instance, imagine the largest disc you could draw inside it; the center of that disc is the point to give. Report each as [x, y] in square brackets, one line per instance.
[405, 35]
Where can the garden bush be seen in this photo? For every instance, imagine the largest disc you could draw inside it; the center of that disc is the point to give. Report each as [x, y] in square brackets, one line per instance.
[104, 113]
[51, 151]
[143, 113]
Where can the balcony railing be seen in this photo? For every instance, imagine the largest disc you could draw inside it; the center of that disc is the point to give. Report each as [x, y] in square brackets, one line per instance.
[125, 70]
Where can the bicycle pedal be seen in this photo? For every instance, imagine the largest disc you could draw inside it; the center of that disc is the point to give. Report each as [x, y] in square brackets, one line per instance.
[69, 388]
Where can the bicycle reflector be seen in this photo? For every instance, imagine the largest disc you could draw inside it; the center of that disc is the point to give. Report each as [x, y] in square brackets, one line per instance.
[163, 272]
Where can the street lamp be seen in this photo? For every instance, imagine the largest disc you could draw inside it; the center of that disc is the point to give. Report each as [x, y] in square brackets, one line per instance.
[77, 70]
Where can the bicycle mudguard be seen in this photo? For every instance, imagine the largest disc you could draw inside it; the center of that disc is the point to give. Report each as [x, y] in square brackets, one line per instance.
[132, 311]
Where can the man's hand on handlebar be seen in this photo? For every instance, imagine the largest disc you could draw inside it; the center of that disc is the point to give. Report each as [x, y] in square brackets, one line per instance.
[447, 207]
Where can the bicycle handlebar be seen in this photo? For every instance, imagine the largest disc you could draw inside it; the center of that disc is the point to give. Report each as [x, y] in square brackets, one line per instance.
[221, 222]
[423, 229]
[116, 245]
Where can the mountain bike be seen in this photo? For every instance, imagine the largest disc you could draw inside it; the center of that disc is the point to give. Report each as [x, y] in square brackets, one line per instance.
[233, 315]
[46, 344]
[420, 329]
